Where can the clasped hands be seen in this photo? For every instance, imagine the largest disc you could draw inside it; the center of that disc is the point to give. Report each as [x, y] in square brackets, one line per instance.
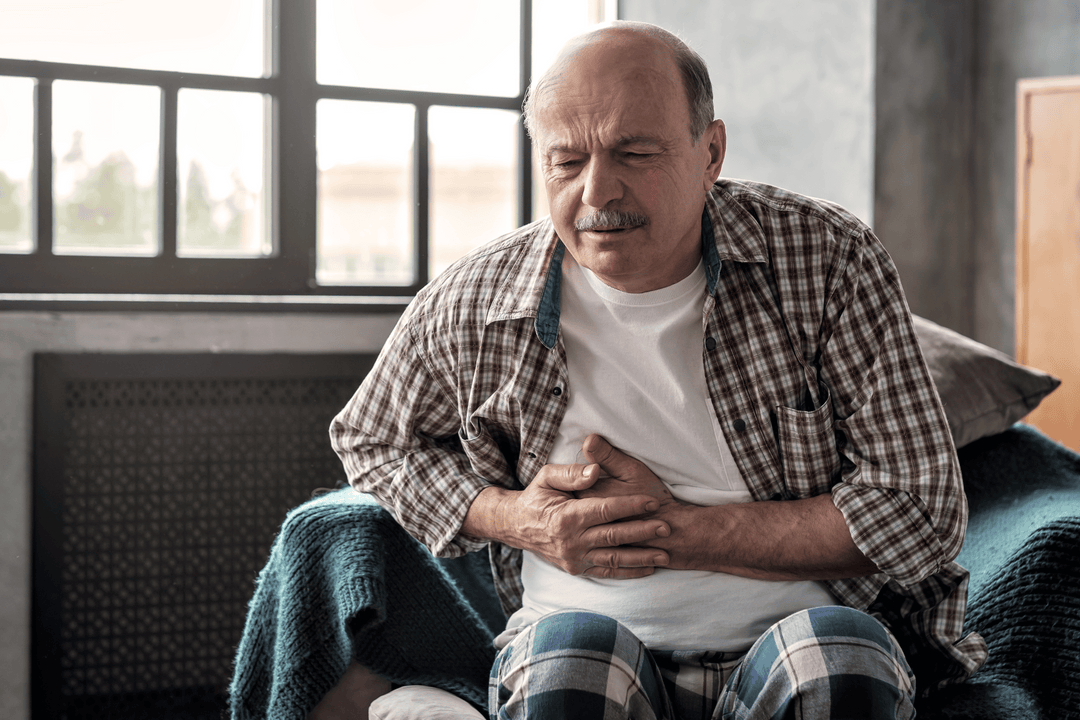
[609, 518]
[613, 518]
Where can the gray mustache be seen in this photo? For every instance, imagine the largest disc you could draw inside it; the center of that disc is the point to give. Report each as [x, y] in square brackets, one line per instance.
[611, 218]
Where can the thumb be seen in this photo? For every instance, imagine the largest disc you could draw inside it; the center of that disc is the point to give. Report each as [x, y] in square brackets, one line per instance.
[613, 461]
[567, 478]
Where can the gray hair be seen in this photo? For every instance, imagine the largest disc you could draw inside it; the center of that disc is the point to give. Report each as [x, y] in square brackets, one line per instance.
[692, 69]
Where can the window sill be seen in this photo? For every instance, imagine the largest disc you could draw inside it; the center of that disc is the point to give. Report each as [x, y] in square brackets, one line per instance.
[147, 302]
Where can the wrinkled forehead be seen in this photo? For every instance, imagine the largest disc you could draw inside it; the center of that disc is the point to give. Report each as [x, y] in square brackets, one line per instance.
[623, 79]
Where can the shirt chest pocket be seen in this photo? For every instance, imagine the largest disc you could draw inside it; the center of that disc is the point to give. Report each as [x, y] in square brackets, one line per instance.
[808, 447]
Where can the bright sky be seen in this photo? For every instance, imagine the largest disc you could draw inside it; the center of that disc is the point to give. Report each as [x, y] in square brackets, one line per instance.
[467, 46]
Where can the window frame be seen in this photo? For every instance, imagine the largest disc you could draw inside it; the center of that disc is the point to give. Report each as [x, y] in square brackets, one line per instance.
[284, 279]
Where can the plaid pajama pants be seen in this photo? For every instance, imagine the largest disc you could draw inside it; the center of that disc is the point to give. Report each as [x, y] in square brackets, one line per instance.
[826, 662]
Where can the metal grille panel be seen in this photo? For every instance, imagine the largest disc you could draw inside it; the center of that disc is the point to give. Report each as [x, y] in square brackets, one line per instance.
[160, 482]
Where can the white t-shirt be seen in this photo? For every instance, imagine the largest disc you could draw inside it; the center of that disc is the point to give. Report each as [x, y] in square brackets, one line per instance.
[636, 377]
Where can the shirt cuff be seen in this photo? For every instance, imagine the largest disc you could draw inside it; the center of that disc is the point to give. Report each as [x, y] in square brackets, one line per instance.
[892, 529]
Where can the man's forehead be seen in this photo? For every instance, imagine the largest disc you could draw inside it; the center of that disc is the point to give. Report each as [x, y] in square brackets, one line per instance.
[612, 118]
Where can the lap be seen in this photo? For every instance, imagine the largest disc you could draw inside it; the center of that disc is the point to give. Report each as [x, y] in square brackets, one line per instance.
[834, 658]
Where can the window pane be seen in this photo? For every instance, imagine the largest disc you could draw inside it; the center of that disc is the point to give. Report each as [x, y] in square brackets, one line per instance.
[105, 154]
[556, 21]
[16, 163]
[223, 37]
[473, 180]
[220, 154]
[465, 46]
[365, 193]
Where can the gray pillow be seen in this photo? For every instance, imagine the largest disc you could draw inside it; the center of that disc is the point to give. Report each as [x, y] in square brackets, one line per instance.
[983, 390]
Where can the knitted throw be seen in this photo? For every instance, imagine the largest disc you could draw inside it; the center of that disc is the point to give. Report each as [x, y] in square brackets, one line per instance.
[344, 579]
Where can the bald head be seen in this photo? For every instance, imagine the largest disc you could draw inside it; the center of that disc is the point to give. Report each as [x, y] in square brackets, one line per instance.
[617, 41]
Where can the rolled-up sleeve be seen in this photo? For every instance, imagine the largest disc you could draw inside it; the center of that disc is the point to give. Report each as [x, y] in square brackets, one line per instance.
[396, 439]
[901, 493]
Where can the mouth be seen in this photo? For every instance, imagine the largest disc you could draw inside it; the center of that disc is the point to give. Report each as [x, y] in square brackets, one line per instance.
[610, 230]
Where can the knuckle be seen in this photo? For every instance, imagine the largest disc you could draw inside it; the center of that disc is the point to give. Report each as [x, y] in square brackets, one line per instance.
[605, 559]
[562, 550]
[561, 526]
[607, 513]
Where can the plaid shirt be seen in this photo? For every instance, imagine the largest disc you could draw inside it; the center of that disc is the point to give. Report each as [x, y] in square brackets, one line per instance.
[813, 370]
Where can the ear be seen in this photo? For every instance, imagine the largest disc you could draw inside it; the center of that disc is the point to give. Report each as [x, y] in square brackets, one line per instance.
[715, 140]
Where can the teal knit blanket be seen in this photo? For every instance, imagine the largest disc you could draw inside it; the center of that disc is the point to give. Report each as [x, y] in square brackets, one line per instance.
[344, 580]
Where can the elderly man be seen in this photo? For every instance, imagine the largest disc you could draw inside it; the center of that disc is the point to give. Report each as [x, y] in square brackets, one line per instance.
[689, 419]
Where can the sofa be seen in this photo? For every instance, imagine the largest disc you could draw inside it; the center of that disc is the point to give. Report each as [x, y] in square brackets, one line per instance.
[349, 607]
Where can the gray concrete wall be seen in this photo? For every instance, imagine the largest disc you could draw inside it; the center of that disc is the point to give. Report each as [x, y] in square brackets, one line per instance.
[1016, 39]
[23, 334]
[945, 172]
[793, 81]
[923, 153]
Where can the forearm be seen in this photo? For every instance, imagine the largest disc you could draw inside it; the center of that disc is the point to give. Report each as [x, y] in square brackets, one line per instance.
[773, 540]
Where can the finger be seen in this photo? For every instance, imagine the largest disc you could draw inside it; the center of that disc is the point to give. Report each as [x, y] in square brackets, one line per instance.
[568, 478]
[626, 557]
[607, 456]
[619, 573]
[604, 510]
[631, 532]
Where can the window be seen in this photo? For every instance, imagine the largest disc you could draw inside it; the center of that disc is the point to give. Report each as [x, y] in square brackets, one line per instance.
[327, 153]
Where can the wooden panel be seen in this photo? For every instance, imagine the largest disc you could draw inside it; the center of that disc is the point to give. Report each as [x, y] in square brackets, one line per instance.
[1048, 247]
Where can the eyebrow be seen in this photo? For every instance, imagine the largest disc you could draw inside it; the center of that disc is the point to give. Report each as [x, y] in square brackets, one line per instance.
[639, 139]
[622, 142]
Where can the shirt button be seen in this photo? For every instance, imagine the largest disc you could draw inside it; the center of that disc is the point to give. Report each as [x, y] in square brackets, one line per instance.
[739, 425]
[710, 343]
[556, 391]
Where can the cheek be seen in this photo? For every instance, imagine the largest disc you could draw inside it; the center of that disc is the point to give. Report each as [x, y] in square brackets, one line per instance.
[561, 200]
[669, 192]
[655, 192]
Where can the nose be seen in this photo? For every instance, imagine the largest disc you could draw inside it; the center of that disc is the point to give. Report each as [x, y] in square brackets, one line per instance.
[602, 183]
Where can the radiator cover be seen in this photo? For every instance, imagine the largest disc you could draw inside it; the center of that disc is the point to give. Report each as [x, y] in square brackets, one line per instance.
[159, 484]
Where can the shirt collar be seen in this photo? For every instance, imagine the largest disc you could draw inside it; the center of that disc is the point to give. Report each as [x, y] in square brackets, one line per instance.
[531, 289]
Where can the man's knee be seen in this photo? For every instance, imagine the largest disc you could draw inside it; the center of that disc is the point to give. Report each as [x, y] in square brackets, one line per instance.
[575, 664]
[836, 621]
[562, 644]
[831, 662]
[576, 630]
[839, 643]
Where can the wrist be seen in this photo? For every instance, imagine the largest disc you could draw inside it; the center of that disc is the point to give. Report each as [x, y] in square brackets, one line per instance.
[485, 519]
[695, 530]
